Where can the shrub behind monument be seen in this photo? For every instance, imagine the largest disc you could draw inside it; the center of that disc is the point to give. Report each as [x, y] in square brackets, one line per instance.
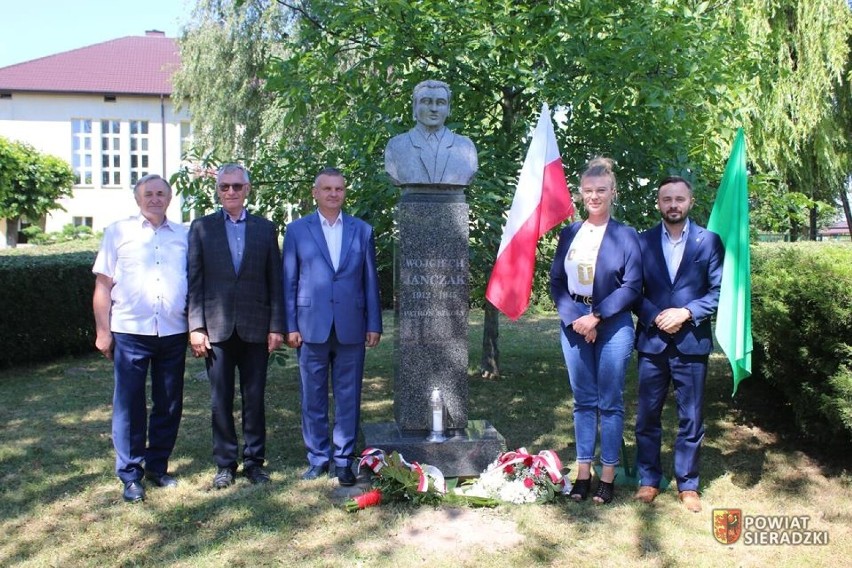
[46, 304]
[802, 311]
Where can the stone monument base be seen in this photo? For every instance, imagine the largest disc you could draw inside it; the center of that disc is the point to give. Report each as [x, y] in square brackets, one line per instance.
[465, 453]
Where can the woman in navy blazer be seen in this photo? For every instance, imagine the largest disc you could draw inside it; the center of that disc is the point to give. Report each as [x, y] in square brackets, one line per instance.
[595, 280]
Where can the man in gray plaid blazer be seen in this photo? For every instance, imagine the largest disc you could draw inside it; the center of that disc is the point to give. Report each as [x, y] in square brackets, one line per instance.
[236, 319]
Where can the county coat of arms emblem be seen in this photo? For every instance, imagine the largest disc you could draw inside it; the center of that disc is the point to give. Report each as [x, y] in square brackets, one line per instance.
[727, 525]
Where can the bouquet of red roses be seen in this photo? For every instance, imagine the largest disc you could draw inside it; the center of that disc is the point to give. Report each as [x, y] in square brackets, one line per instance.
[397, 480]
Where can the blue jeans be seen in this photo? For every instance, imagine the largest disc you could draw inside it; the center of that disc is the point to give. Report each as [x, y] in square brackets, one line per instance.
[137, 438]
[596, 373]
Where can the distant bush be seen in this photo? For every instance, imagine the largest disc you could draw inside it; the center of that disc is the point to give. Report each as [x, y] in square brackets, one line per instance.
[69, 232]
[46, 303]
[802, 324]
[77, 245]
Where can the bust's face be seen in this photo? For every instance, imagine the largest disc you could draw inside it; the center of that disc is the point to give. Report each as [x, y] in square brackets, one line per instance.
[431, 107]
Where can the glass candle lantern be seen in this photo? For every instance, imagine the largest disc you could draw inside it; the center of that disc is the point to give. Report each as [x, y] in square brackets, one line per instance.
[436, 406]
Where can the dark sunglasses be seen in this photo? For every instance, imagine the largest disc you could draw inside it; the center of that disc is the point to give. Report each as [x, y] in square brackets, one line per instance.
[238, 187]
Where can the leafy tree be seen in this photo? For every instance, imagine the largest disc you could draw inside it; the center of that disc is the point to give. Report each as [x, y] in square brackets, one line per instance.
[30, 184]
[800, 120]
[350, 70]
[223, 53]
[658, 102]
[844, 105]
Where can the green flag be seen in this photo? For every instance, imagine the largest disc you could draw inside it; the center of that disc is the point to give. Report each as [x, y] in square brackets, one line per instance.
[729, 220]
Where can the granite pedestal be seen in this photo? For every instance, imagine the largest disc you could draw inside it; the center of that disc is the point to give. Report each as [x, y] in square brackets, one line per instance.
[431, 341]
[465, 453]
[432, 304]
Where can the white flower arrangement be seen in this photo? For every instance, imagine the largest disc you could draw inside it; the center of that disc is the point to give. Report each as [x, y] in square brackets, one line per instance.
[518, 477]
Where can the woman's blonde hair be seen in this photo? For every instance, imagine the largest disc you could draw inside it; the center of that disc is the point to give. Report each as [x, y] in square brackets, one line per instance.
[599, 166]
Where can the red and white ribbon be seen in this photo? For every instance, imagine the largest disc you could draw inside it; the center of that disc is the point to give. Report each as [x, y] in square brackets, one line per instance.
[437, 476]
[549, 462]
[375, 459]
[545, 461]
[507, 460]
[424, 472]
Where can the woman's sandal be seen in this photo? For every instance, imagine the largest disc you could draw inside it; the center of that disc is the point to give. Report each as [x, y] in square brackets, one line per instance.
[580, 490]
[605, 492]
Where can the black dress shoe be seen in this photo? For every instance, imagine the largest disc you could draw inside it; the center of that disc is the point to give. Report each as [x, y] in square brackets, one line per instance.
[161, 479]
[134, 491]
[224, 478]
[256, 474]
[345, 476]
[315, 471]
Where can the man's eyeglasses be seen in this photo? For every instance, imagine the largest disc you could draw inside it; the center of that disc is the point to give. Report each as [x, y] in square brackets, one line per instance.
[237, 187]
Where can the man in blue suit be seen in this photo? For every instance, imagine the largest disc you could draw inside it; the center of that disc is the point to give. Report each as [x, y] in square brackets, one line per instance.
[682, 270]
[331, 293]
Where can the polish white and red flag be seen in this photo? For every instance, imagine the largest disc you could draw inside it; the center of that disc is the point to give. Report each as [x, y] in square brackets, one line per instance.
[542, 201]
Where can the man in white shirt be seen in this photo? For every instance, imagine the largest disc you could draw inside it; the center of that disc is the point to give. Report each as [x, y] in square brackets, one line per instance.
[140, 318]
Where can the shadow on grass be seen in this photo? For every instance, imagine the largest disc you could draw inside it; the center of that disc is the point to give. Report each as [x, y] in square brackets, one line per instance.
[59, 499]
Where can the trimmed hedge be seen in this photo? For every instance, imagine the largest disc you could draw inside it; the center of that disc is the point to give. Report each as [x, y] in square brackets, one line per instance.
[802, 312]
[46, 303]
[802, 325]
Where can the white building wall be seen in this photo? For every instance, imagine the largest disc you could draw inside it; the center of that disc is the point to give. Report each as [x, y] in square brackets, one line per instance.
[45, 122]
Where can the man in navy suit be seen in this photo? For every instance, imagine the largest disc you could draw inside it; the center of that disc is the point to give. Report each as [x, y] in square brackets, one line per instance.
[331, 291]
[236, 319]
[682, 270]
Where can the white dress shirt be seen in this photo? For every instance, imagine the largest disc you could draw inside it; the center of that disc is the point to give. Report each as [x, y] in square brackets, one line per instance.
[148, 268]
[333, 233]
[673, 249]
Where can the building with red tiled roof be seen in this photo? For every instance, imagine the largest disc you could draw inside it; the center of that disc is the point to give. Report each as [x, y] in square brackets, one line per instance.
[133, 65]
[107, 110]
[837, 231]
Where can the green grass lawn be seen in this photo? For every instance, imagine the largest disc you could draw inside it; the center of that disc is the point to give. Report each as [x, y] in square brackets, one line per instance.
[60, 503]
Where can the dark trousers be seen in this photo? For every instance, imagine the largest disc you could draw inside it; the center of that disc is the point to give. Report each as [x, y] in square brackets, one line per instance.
[251, 359]
[131, 426]
[687, 374]
[344, 363]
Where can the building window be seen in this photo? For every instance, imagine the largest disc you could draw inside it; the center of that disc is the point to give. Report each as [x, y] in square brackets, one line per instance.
[82, 221]
[81, 129]
[138, 150]
[110, 152]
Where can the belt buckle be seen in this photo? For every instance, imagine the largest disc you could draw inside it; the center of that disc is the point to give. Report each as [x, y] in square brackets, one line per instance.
[587, 300]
